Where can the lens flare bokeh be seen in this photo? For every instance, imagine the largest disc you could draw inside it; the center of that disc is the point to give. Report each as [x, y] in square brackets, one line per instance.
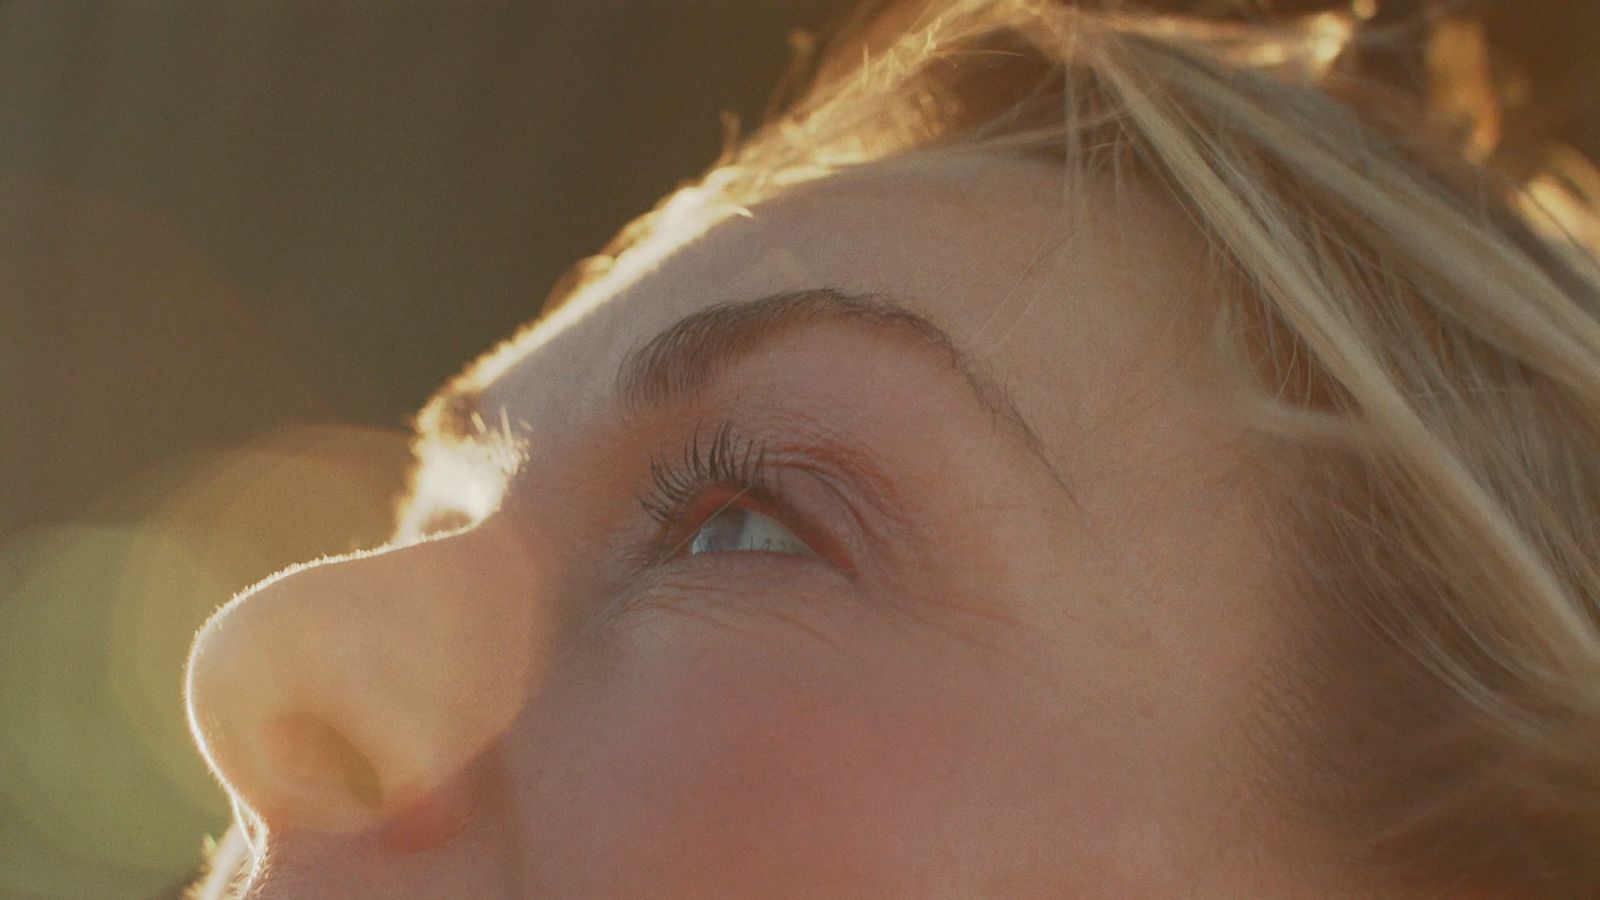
[101, 791]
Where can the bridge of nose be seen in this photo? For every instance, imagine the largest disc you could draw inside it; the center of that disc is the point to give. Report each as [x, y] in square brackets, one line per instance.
[335, 694]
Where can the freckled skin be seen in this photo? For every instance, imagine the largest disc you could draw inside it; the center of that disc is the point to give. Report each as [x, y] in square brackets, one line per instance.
[1027, 691]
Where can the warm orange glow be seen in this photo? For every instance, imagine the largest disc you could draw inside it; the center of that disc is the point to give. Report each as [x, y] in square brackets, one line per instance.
[1461, 85]
[96, 754]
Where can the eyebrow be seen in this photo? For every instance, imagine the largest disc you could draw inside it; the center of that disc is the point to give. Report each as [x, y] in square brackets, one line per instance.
[679, 363]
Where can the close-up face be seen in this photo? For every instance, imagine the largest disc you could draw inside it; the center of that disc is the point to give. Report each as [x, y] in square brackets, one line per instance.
[893, 540]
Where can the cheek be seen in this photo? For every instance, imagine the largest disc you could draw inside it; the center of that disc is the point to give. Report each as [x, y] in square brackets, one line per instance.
[735, 759]
[753, 762]
[761, 782]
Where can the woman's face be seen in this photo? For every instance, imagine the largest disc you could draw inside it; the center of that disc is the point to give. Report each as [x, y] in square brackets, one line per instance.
[911, 560]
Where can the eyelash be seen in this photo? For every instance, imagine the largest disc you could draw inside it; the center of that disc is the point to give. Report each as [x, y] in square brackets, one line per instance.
[725, 460]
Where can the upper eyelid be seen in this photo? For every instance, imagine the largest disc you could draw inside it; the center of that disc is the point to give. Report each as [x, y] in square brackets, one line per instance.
[843, 466]
[688, 537]
[727, 456]
[793, 447]
[869, 495]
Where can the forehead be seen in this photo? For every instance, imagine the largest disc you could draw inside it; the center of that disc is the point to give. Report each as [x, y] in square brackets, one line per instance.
[1044, 300]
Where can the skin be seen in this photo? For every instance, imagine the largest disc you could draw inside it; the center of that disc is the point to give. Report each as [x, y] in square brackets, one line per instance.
[990, 679]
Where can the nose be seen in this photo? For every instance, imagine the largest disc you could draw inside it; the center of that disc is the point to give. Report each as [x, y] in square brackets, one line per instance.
[352, 693]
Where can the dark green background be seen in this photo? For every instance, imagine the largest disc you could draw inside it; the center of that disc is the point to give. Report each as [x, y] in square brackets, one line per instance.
[239, 243]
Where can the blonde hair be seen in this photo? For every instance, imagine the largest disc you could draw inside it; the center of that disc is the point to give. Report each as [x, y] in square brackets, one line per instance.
[1417, 346]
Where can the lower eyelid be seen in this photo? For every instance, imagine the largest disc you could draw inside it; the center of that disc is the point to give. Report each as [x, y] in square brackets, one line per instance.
[740, 573]
[688, 579]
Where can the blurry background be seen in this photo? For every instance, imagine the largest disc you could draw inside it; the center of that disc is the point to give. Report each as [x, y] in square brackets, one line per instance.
[240, 242]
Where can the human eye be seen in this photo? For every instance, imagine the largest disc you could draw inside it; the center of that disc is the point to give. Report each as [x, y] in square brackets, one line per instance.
[719, 496]
[734, 528]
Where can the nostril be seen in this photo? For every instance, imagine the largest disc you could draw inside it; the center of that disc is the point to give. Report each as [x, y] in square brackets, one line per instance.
[333, 784]
[308, 752]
